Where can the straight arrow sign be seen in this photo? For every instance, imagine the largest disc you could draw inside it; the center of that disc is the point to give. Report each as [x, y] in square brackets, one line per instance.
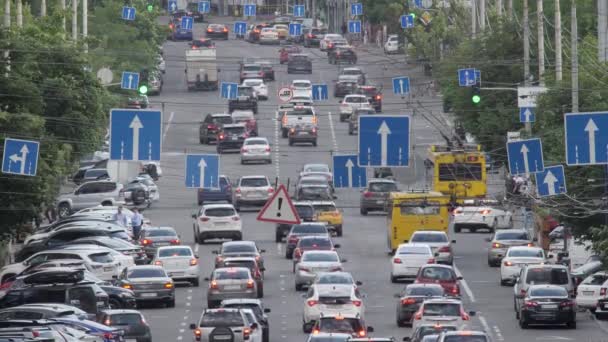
[550, 180]
[384, 131]
[136, 125]
[202, 166]
[349, 166]
[591, 128]
[524, 151]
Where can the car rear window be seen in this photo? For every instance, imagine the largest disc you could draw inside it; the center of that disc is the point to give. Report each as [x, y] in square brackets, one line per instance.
[356, 99]
[320, 257]
[314, 243]
[316, 168]
[441, 309]
[529, 253]
[222, 120]
[324, 207]
[309, 229]
[382, 187]
[352, 72]
[511, 236]
[438, 273]
[146, 273]
[334, 300]
[301, 84]
[331, 278]
[369, 91]
[250, 264]
[252, 68]
[219, 212]
[465, 338]
[101, 258]
[304, 211]
[433, 330]
[126, 319]
[549, 292]
[299, 58]
[222, 318]
[257, 310]
[418, 237]
[159, 232]
[254, 182]
[170, 252]
[554, 276]
[231, 274]
[301, 112]
[319, 192]
[347, 325]
[253, 83]
[234, 130]
[424, 291]
[239, 248]
[256, 142]
[418, 250]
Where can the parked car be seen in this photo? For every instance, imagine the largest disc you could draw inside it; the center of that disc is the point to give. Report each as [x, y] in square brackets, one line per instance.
[90, 194]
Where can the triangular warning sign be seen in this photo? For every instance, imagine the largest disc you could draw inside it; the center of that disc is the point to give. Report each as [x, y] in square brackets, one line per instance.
[279, 209]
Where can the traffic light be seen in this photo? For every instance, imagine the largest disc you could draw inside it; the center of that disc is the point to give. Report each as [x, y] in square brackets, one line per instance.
[143, 89]
[476, 95]
[150, 7]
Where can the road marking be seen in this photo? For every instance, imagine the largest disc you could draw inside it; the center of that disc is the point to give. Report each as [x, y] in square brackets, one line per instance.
[196, 248]
[190, 290]
[183, 324]
[498, 333]
[168, 125]
[466, 287]
[189, 297]
[279, 245]
[277, 148]
[179, 338]
[187, 304]
[333, 132]
[182, 331]
[553, 338]
[486, 326]
[185, 318]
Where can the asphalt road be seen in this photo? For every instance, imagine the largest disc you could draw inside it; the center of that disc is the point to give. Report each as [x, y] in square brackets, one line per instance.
[364, 240]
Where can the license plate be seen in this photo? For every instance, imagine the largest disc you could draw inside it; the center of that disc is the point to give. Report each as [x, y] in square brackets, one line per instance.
[549, 306]
[221, 223]
[588, 293]
[221, 337]
[232, 287]
[175, 274]
[108, 269]
[302, 133]
[161, 244]
[605, 306]
[380, 202]
[149, 294]
[130, 340]
[101, 303]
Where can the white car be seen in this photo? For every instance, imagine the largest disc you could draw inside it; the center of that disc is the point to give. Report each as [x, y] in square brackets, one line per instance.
[121, 260]
[408, 259]
[301, 100]
[215, 221]
[392, 44]
[260, 89]
[442, 311]
[314, 262]
[252, 190]
[256, 334]
[486, 215]
[256, 150]
[330, 301]
[592, 289]
[180, 263]
[328, 39]
[350, 103]
[302, 88]
[439, 242]
[269, 35]
[516, 258]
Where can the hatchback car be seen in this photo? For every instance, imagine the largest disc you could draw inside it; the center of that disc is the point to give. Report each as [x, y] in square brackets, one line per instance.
[502, 240]
[330, 214]
[353, 120]
[254, 268]
[269, 35]
[441, 311]
[330, 301]
[317, 170]
[440, 274]
[258, 309]
[132, 322]
[260, 89]
[305, 213]
[349, 324]
[252, 191]
[374, 95]
[547, 304]
[231, 137]
[350, 103]
[285, 51]
[345, 87]
[484, 215]
[314, 262]
[217, 221]
[256, 150]
[229, 283]
[153, 237]
[150, 284]
[180, 263]
[374, 196]
[411, 298]
[392, 44]
[591, 290]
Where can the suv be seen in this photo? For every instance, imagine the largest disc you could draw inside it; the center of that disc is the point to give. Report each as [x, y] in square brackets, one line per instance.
[252, 190]
[375, 195]
[373, 94]
[298, 115]
[540, 275]
[225, 324]
[303, 133]
[345, 87]
[224, 193]
[89, 195]
[353, 121]
[299, 63]
[211, 125]
[342, 54]
[231, 137]
[350, 103]
[306, 213]
[245, 99]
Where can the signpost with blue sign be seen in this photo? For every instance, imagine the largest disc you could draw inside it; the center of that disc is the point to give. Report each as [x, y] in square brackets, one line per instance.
[229, 90]
[356, 9]
[586, 138]
[354, 26]
[347, 174]
[401, 85]
[130, 80]
[250, 10]
[526, 114]
[551, 182]
[320, 92]
[172, 5]
[384, 140]
[135, 134]
[240, 27]
[468, 77]
[525, 156]
[299, 10]
[128, 13]
[202, 171]
[407, 21]
[204, 6]
[20, 157]
[186, 23]
[295, 29]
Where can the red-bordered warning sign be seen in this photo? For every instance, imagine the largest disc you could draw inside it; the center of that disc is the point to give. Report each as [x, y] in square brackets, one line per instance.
[279, 209]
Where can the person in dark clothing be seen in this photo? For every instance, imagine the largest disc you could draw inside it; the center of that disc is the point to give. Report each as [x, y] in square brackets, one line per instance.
[344, 27]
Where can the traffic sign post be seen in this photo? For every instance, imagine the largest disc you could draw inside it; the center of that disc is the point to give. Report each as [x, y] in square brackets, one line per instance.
[384, 140]
[202, 171]
[551, 182]
[128, 13]
[407, 21]
[130, 80]
[229, 90]
[279, 209]
[525, 156]
[135, 134]
[204, 6]
[527, 114]
[285, 94]
[468, 77]
[354, 26]
[295, 29]
[347, 172]
[320, 92]
[423, 3]
[401, 85]
[250, 10]
[20, 157]
[186, 23]
[240, 27]
[299, 11]
[172, 5]
[586, 138]
[356, 9]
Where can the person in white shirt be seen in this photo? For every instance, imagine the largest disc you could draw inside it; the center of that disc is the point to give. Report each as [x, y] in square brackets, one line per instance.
[120, 217]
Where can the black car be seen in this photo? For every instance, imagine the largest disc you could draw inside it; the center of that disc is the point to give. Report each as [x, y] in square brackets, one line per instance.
[306, 213]
[299, 63]
[217, 31]
[192, 9]
[342, 54]
[231, 137]
[547, 304]
[137, 194]
[202, 43]
[343, 88]
[132, 322]
[374, 95]
[211, 125]
[411, 298]
[245, 100]
[303, 134]
[268, 71]
[303, 229]
[314, 36]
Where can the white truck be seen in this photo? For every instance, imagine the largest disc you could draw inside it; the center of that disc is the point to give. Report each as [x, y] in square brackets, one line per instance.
[201, 69]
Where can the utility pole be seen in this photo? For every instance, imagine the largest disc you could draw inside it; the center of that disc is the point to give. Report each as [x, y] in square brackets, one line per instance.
[74, 20]
[602, 30]
[473, 18]
[314, 13]
[526, 44]
[499, 7]
[19, 13]
[558, 42]
[62, 6]
[482, 15]
[43, 8]
[541, 39]
[510, 9]
[574, 49]
[85, 22]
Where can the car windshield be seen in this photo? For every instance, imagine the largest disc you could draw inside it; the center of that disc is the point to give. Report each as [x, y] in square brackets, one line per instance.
[355, 99]
[315, 243]
[253, 83]
[304, 211]
[222, 120]
[555, 276]
[465, 338]
[369, 91]
[332, 278]
[234, 130]
[309, 229]
[173, 252]
[321, 192]
[530, 253]
[219, 212]
[382, 187]
[254, 182]
[324, 207]
[126, 319]
[301, 85]
[257, 310]
[256, 142]
[299, 58]
[320, 257]
[347, 325]
[250, 264]
[511, 236]
[146, 273]
[424, 291]
[417, 250]
[222, 318]
[239, 248]
[549, 292]
[429, 238]
[231, 274]
[159, 232]
[252, 68]
[245, 91]
[441, 309]
[437, 273]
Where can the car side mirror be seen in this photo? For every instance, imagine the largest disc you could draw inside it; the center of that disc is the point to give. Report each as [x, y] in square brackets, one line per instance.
[550, 256]
[436, 254]
[192, 326]
[459, 277]
[337, 245]
[196, 256]
[185, 71]
[407, 339]
[254, 326]
[344, 260]
[304, 295]
[397, 295]
[266, 310]
[194, 216]
[262, 251]
[370, 329]
[206, 279]
[472, 313]
[535, 239]
[334, 197]
[488, 240]
[358, 283]
[215, 252]
[453, 241]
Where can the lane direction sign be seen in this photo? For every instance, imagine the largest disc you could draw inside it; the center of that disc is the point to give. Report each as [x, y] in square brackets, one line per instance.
[407, 21]
[527, 114]
[279, 209]
[240, 27]
[295, 29]
[467, 77]
[320, 92]
[586, 138]
[401, 85]
[347, 172]
[356, 9]
[172, 5]
[204, 6]
[128, 13]
[130, 80]
[20, 157]
[250, 10]
[525, 156]
[202, 171]
[186, 23]
[135, 134]
[551, 182]
[354, 26]
[229, 90]
[299, 11]
[384, 140]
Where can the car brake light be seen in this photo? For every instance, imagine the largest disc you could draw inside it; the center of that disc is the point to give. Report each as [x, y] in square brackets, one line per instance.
[211, 126]
[530, 245]
[158, 263]
[213, 284]
[225, 29]
[464, 315]
[522, 292]
[567, 303]
[457, 211]
[197, 333]
[267, 148]
[311, 303]
[204, 219]
[175, 242]
[168, 285]
[397, 261]
[367, 194]
[485, 211]
[292, 130]
[249, 284]
[270, 190]
[418, 316]
[508, 263]
[378, 97]
[171, 26]
[314, 120]
[146, 242]
[193, 262]
[497, 245]
[221, 136]
[284, 119]
[293, 239]
[127, 286]
[209, 30]
[297, 254]
[314, 130]
[531, 304]
[357, 303]
[455, 290]
[445, 249]
[236, 218]
[107, 322]
[237, 190]
[243, 149]
[362, 333]
[408, 301]
[431, 261]
[603, 291]
[306, 269]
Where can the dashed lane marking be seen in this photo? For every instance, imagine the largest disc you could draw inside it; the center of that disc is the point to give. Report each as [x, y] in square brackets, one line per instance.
[196, 248]
[333, 132]
[168, 124]
[498, 333]
[465, 286]
[277, 148]
[486, 326]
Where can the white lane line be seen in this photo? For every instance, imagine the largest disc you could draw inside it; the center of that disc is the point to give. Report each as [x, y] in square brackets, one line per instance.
[179, 338]
[498, 333]
[279, 245]
[183, 324]
[187, 304]
[333, 132]
[277, 148]
[181, 331]
[196, 248]
[465, 286]
[168, 124]
[486, 326]
[186, 318]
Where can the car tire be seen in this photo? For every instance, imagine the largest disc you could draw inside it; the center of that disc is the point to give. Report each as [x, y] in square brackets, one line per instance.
[261, 292]
[503, 282]
[237, 237]
[211, 304]
[195, 282]
[288, 255]
[64, 210]
[194, 232]
[339, 230]
[394, 279]
[350, 132]
[363, 211]
[523, 324]
[278, 237]
[299, 287]
[401, 322]
[237, 206]
[284, 133]
[115, 303]
[171, 303]
[314, 143]
[457, 228]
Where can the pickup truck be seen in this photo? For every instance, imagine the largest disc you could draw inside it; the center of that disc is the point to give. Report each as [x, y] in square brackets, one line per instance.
[245, 100]
[296, 116]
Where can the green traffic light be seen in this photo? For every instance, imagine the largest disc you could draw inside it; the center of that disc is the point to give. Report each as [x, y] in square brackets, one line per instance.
[413, 15]
[476, 98]
[150, 7]
[143, 89]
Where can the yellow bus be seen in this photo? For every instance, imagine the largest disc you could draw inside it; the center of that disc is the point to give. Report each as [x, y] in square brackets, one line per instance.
[459, 172]
[415, 210]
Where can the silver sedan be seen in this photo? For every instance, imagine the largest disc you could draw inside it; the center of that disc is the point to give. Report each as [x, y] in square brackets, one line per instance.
[314, 262]
[256, 150]
[228, 283]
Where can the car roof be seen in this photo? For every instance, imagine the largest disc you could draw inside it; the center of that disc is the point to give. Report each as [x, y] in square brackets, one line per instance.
[252, 64]
[320, 252]
[323, 203]
[380, 180]
[238, 125]
[143, 267]
[219, 115]
[303, 203]
[544, 286]
[433, 232]
[228, 269]
[174, 247]
[257, 138]
[410, 244]
[546, 266]
[234, 243]
[242, 301]
[304, 81]
[438, 265]
[240, 259]
[443, 300]
[121, 311]
[253, 177]
[315, 185]
[159, 227]
[217, 205]
[352, 69]
[335, 290]
[525, 248]
[356, 95]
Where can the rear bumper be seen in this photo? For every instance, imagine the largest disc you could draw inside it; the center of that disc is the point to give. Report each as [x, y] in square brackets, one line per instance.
[221, 234]
[545, 318]
[214, 196]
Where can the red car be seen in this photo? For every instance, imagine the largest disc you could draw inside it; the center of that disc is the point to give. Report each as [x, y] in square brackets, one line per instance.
[312, 243]
[285, 51]
[443, 275]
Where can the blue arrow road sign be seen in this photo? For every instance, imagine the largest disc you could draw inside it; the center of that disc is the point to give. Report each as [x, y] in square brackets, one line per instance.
[135, 134]
[172, 5]
[354, 26]
[384, 140]
[295, 29]
[551, 181]
[525, 156]
[320, 92]
[130, 80]
[407, 21]
[526, 114]
[347, 174]
[586, 138]
[467, 77]
[186, 23]
[250, 10]
[202, 171]
[204, 6]
[240, 27]
[298, 10]
[20, 157]
[229, 90]
[401, 85]
[128, 13]
[356, 9]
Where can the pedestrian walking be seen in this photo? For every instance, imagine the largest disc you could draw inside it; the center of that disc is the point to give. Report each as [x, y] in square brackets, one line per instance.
[136, 221]
[120, 218]
[344, 28]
